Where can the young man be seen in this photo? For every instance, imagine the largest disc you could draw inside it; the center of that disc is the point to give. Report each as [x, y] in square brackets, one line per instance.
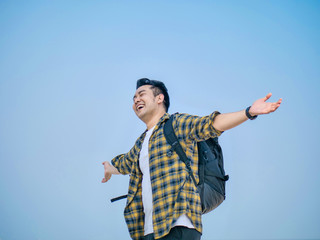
[162, 200]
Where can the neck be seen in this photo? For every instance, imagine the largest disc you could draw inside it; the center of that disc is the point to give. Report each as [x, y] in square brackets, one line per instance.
[154, 119]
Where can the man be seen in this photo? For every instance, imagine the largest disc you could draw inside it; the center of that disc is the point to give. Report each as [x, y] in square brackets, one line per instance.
[162, 200]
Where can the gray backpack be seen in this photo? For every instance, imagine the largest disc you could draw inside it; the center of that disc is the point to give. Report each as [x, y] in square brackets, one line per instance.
[212, 178]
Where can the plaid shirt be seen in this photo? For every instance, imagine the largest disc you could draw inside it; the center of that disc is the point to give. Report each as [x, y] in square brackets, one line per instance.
[173, 192]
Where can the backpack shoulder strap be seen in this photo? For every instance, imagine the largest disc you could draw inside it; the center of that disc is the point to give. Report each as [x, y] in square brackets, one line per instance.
[172, 139]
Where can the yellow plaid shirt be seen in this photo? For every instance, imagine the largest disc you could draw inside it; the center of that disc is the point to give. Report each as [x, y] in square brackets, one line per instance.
[173, 192]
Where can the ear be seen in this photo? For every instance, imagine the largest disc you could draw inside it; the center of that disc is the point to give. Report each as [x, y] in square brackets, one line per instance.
[160, 98]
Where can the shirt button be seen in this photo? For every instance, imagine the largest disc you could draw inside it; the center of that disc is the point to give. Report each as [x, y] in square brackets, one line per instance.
[169, 153]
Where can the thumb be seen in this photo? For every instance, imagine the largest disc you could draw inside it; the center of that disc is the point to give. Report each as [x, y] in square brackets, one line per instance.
[267, 97]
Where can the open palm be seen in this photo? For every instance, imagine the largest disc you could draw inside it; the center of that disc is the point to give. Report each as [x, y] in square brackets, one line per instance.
[262, 107]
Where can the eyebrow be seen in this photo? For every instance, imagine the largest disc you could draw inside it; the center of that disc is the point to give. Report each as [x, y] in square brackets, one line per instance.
[138, 93]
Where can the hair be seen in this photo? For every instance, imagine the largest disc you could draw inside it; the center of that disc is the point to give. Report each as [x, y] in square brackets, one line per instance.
[156, 91]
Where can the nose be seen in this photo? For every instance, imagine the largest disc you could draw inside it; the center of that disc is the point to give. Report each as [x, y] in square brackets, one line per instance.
[136, 100]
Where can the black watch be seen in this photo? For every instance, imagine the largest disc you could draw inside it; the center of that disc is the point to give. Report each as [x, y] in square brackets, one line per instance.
[248, 114]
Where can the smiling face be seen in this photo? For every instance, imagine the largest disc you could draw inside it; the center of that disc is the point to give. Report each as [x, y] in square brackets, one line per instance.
[146, 105]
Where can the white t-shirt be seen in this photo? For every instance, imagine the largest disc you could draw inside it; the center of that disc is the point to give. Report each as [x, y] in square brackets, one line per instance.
[183, 220]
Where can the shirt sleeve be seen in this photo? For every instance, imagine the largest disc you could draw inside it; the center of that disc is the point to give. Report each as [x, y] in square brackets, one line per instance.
[124, 162]
[195, 128]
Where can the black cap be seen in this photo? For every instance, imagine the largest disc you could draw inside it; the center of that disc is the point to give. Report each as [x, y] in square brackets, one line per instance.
[158, 84]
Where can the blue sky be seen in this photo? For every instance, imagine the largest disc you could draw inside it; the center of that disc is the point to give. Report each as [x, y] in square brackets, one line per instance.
[68, 71]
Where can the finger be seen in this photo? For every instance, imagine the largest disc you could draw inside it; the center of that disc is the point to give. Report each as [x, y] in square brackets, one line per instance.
[276, 106]
[107, 176]
[106, 179]
[267, 97]
[274, 109]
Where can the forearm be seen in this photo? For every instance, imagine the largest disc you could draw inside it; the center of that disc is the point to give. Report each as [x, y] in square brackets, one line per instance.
[230, 120]
[226, 121]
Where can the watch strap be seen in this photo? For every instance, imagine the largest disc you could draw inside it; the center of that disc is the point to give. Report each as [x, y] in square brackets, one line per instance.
[248, 114]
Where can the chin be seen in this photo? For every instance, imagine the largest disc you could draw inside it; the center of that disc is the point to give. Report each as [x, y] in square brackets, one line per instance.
[139, 114]
[142, 117]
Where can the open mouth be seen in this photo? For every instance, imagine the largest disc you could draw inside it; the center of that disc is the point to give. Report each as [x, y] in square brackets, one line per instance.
[139, 107]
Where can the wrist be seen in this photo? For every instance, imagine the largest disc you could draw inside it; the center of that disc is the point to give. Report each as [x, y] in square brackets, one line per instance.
[249, 114]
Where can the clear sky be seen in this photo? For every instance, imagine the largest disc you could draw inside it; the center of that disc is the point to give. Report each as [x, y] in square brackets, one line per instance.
[68, 71]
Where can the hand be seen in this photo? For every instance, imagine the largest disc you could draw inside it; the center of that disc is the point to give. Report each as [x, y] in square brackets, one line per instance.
[108, 171]
[262, 107]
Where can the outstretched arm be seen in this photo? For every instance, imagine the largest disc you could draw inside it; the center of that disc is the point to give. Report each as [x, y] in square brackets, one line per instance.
[121, 164]
[227, 121]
